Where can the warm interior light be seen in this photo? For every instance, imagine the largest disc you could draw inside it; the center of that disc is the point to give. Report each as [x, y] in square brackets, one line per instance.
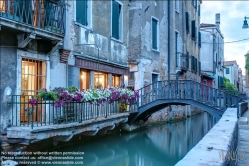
[82, 77]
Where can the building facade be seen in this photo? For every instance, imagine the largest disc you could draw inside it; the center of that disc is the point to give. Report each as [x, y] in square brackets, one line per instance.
[163, 41]
[212, 53]
[30, 34]
[231, 72]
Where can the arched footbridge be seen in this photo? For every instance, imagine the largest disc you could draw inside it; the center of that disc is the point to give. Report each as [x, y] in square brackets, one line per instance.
[182, 92]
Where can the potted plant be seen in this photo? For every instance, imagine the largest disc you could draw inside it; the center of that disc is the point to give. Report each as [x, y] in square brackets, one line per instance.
[46, 95]
[122, 107]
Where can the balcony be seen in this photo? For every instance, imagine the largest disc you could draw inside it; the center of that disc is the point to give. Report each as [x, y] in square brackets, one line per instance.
[45, 18]
[30, 123]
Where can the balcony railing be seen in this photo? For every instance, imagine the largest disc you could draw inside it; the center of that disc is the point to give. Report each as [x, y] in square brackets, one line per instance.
[45, 14]
[45, 113]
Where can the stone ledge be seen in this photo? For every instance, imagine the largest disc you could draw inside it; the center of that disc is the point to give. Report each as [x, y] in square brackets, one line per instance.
[64, 132]
[218, 140]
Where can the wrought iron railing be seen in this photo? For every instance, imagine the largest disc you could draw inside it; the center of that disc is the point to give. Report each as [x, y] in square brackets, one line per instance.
[187, 89]
[45, 113]
[45, 14]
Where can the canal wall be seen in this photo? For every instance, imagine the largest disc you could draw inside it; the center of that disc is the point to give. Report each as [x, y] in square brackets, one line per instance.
[219, 146]
[168, 114]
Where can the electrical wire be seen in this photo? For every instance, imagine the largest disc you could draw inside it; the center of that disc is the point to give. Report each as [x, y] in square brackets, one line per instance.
[236, 41]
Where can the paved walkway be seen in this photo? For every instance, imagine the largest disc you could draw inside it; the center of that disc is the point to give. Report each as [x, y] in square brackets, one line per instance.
[243, 139]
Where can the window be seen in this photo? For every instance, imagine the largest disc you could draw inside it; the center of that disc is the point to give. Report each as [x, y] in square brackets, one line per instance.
[177, 5]
[199, 39]
[227, 71]
[116, 80]
[187, 22]
[194, 3]
[199, 10]
[193, 30]
[117, 20]
[100, 80]
[155, 34]
[33, 78]
[81, 12]
[154, 79]
[176, 48]
[84, 79]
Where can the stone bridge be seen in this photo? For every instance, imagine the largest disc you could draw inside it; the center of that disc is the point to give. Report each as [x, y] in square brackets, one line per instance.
[182, 92]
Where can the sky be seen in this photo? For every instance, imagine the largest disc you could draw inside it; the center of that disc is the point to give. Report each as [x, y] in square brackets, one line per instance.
[232, 15]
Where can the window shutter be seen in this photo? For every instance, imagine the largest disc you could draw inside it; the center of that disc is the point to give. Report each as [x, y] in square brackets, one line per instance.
[199, 39]
[187, 22]
[81, 11]
[176, 36]
[199, 68]
[154, 34]
[187, 58]
[193, 29]
[199, 10]
[115, 19]
[192, 63]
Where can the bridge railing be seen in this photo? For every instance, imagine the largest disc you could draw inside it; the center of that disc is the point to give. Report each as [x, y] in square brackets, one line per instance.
[188, 90]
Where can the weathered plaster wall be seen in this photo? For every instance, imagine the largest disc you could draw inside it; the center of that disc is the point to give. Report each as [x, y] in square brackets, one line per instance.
[99, 33]
[8, 63]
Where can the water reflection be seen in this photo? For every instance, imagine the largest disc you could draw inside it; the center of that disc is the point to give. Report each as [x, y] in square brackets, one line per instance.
[153, 146]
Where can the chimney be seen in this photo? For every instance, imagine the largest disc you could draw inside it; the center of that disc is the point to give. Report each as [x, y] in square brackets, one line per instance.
[217, 20]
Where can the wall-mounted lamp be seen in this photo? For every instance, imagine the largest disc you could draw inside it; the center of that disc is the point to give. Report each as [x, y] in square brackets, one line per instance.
[245, 25]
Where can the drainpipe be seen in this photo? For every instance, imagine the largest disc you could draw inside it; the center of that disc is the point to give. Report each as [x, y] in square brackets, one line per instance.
[168, 40]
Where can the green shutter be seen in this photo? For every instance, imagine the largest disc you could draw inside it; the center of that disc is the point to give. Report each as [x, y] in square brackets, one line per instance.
[199, 10]
[154, 34]
[192, 63]
[193, 29]
[199, 68]
[187, 22]
[187, 59]
[199, 39]
[176, 36]
[81, 12]
[115, 19]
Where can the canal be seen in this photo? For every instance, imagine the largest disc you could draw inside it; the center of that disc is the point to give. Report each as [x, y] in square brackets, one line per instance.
[157, 145]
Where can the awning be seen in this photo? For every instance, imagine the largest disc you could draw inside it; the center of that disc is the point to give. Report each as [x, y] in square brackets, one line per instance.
[103, 66]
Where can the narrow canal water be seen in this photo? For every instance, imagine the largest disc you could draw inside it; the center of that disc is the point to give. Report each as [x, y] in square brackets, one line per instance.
[158, 145]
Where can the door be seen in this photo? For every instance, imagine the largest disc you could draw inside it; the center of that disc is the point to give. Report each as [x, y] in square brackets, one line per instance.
[32, 80]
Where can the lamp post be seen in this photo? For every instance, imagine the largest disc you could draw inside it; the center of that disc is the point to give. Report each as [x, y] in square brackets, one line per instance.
[98, 53]
[245, 25]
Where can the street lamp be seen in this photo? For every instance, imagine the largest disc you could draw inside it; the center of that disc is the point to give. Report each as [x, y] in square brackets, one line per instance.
[245, 25]
[98, 53]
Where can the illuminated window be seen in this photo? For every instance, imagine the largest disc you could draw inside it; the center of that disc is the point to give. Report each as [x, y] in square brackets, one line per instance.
[33, 76]
[100, 80]
[84, 79]
[115, 80]
[32, 80]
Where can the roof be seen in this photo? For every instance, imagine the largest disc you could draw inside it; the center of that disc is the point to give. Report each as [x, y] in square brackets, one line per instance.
[229, 63]
[203, 25]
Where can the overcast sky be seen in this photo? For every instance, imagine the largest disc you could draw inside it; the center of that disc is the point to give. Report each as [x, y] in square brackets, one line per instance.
[232, 15]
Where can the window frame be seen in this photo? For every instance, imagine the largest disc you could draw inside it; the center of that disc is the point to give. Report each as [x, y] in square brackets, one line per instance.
[177, 6]
[228, 70]
[121, 20]
[89, 15]
[157, 35]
